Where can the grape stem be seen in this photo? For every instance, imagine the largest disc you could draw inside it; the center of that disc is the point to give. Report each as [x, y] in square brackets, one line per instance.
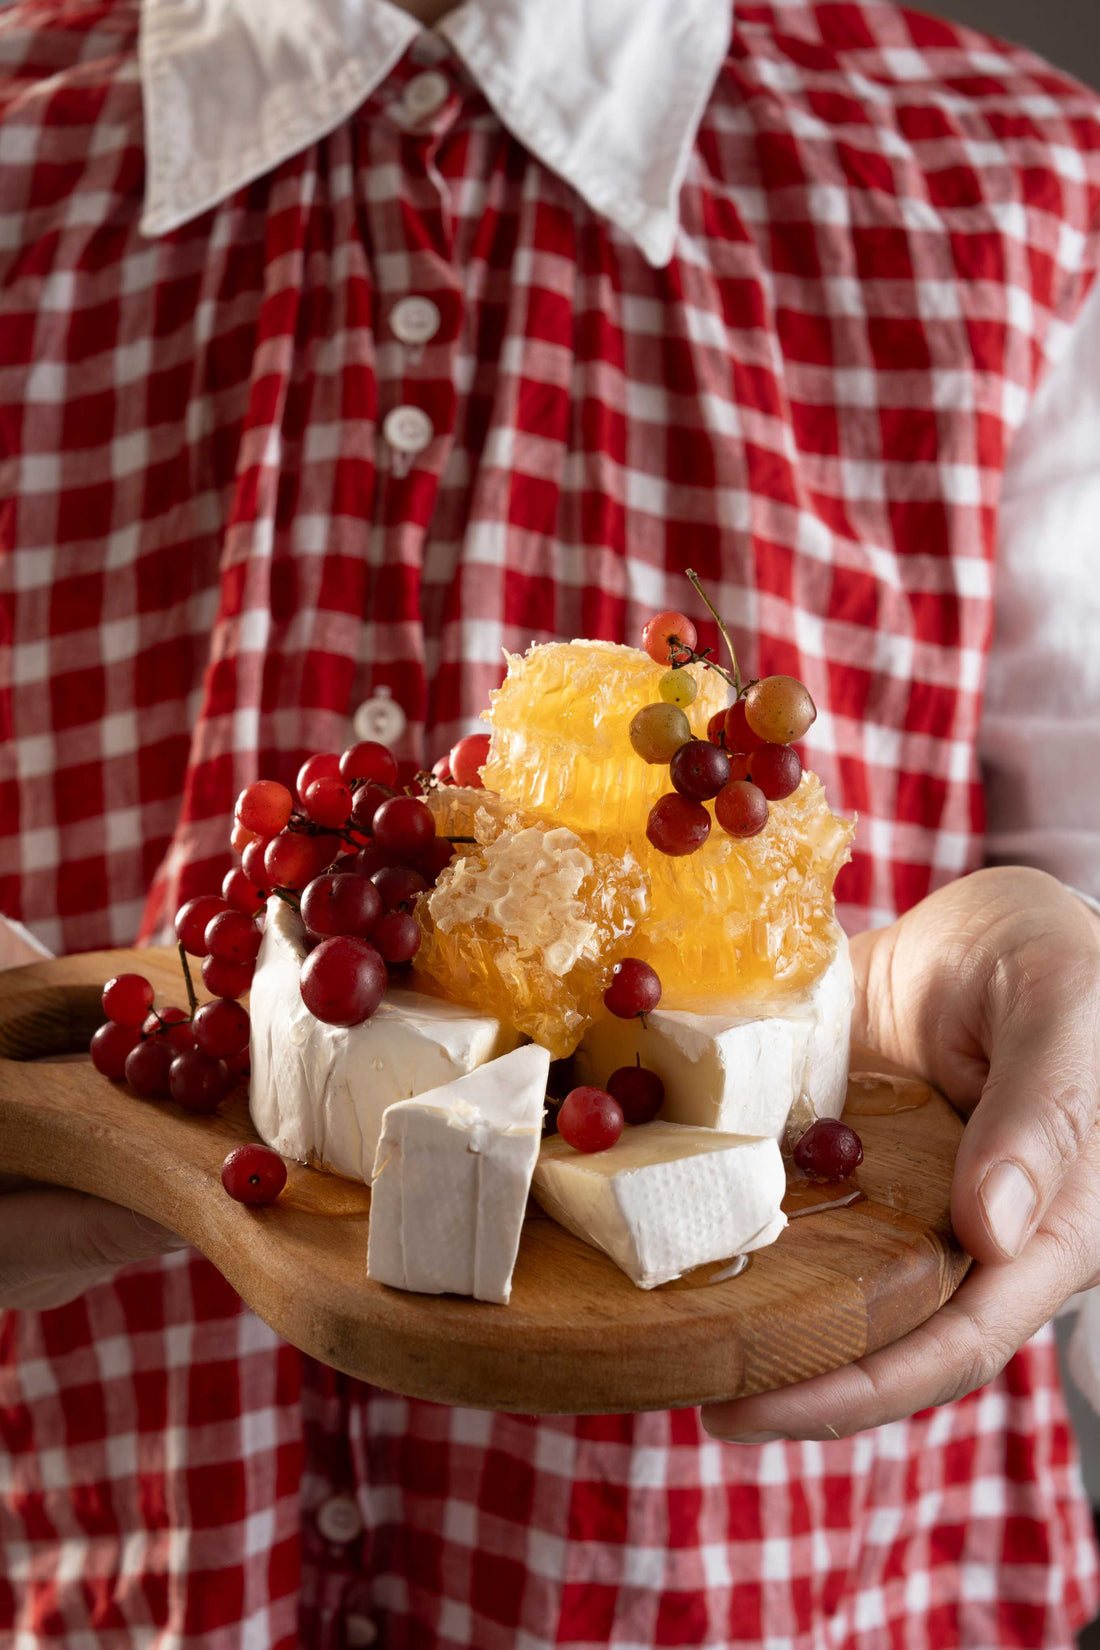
[193, 1001]
[696, 583]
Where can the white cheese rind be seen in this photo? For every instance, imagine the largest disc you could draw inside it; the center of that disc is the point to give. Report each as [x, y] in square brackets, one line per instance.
[318, 1092]
[742, 1072]
[451, 1178]
[666, 1197]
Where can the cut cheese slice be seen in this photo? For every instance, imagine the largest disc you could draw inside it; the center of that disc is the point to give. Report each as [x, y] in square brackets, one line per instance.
[746, 1070]
[665, 1198]
[318, 1091]
[451, 1178]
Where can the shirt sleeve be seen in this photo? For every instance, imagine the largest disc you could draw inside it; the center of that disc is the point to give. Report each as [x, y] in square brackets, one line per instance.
[1039, 742]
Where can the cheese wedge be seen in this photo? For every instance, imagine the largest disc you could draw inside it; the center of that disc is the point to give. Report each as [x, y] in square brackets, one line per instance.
[746, 1070]
[318, 1092]
[665, 1198]
[451, 1178]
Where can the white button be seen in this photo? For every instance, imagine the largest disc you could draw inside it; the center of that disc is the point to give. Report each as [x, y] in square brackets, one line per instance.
[339, 1519]
[425, 93]
[380, 718]
[414, 320]
[407, 429]
[359, 1630]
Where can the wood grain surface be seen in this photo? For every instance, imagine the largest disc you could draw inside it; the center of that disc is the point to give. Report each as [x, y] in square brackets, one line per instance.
[578, 1337]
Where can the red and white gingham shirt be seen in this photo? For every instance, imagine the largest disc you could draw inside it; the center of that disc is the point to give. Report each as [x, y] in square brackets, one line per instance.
[796, 364]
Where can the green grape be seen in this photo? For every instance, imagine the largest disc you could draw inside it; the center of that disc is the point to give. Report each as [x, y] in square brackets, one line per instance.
[779, 709]
[676, 687]
[658, 731]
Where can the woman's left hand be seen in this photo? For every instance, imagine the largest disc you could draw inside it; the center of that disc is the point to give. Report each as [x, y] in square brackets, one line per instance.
[990, 989]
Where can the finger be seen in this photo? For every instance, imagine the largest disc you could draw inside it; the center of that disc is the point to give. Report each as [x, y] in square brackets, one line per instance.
[1036, 1113]
[961, 1347]
[53, 1234]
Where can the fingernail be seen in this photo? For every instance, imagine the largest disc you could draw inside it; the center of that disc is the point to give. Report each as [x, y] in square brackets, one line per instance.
[1007, 1196]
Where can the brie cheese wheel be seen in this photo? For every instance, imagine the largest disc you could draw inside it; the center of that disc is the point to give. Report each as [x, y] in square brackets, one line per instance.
[451, 1178]
[318, 1091]
[746, 1070]
[666, 1197]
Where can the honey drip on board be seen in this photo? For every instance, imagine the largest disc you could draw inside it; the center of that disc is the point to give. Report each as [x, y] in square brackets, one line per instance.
[881, 1094]
[813, 1197]
[713, 1271]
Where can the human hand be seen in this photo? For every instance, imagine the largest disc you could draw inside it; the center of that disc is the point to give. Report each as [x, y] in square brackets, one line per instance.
[990, 989]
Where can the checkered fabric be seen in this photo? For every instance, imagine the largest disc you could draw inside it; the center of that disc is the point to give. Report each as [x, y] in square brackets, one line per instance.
[210, 556]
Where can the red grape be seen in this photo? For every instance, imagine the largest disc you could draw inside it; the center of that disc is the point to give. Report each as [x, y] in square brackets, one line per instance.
[192, 920]
[739, 736]
[233, 938]
[829, 1150]
[635, 989]
[241, 894]
[264, 807]
[370, 858]
[325, 765]
[253, 1174]
[252, 863]
[640, 1093]
[670, 638]
[147, 1067]
[442, 771]
[403, 823]
[365, 804]
[127, 999]
[343, 981]
[590, 1119]
[369, 760]
[433, 858]
[221, 1028]
[340, 903]
[197, 1082]
[676, 825]
[239, 1065]
[699, 770]
[741, 808]
[467, 759]
[716, 729]
[328, 801]
[110, 1045]
[176, 1028]
[396, 937]
[398, 885]
[779, 709]
[776, 770]
[239, 838]
[292, 858]
[225, 979]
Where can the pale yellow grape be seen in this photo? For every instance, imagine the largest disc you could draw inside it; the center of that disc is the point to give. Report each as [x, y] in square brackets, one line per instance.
[676, 687]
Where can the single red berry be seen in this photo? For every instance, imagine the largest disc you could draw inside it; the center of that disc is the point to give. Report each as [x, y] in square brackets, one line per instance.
[293, 858]
[328, 802]
[241, 894]
[433, 859]
[226, 979]
[174, 1025]
[369, 760]
[325, 765]
[676, 825]
[716, 729]
[221, 1028]
[670, 638]
[398, 886]
[467, 759]
[829, 1150]
[239, 1065]
[741, 808]
[640, 1093]
[779, 709]
[147, 1067]
[635, 989]
[396, 937]
[442, 771]
[197, 1082]
[264, 807]
[343, 981]
[192, 920]
[110, 1045]
[340, 903]
[252, 862]
[239, 838]
[127, 999]
[253, 1174]
[404, 824]
[233, 938]
[590, 1119]
[366, 803]
[739, 736]
[370, 858]
[776, 770]
[699, 770]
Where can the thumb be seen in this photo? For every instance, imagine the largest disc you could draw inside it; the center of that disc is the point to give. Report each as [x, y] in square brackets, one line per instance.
[52, 1233]
[1036, 1112]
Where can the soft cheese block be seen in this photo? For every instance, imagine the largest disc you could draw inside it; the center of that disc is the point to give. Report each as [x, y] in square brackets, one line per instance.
[666, 1197]
[319, 1091]
[451, 1178]
[745, 1071]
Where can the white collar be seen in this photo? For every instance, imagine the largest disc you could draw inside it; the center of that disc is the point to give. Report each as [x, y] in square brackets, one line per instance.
[606, 93]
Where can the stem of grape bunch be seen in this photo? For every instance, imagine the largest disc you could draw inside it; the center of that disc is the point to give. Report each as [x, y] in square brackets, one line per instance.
[694, 580]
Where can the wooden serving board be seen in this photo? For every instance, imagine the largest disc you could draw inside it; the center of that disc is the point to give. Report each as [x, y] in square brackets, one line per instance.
[578, 1337]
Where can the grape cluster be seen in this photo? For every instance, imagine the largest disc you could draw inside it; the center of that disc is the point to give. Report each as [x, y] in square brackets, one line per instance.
[166, 1053]
[746, 760]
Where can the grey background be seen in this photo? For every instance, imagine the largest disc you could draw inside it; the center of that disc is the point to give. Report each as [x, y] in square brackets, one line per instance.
[1066, 31]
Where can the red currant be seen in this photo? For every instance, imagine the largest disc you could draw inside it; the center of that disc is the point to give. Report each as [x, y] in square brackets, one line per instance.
[370, 858]
[397, 937]
[398, 886]
[226, 979]
[239, 1065]
[467, 759]
[127, 999]
[640, 1093]
[340, 903]
[779, 709]
[777, 770]
[110, 1045]
[741, 808]
[233, 938]
[676, 825]
[192, 920]
[369, 760]
[829, 1150]
[433, 858]
[292, 858]
[739, 736]
[325, 765]
[716, 729]
[366, 803]
[147, 1067]
[699, 770]
[239, 838]
[174, 1025]
[635, 989]
[403, 824]
[241, 894]
[221, 1028]
[252, 863]
[343, 981]
[590, 1119]
[442, 771]
[670, 638]
[253, 1174]
[197, 1082]
[264, 807]
[328, 801]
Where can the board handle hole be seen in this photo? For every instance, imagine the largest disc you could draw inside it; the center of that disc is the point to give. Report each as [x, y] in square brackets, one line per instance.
[58, 1019]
